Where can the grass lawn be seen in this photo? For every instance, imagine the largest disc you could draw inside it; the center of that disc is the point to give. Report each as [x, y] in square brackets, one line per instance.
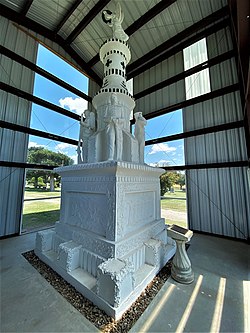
[174, 201]
[34, 193]
[40, 213]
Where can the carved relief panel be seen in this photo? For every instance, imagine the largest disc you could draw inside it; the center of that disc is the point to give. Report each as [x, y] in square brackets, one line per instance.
[137, 206]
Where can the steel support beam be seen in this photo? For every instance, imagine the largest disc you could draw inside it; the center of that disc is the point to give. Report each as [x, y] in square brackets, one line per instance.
[87, 19]
[207, 64]
[234, 164]
[240, 27]
[202, 131]
[66, 16]
[140, 22]
[41, 134]
[23, 165]
[26, 7]
[12, 55]
[23, 94]
[192, 101]
[179, 42]
[45, 32]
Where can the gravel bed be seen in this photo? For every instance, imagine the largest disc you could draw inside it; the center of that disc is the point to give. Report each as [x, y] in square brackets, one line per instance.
[100, 319]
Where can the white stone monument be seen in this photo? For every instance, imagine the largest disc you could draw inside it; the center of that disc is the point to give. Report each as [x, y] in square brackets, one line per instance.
[110, 241]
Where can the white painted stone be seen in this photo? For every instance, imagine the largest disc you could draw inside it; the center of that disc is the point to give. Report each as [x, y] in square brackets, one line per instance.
[140, 123]
[110, 241]
[44, 240]
[181, 269]
[115, 281]
[69, 255]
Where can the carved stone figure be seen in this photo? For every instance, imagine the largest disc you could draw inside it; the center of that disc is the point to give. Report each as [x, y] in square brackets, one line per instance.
[114, 130]
[79, 152]
[114, 20]
[110, 139]
[87, 128]
[140, 123]
[118, 137]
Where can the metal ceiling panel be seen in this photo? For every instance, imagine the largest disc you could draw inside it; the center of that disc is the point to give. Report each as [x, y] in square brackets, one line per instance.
[179, 16]
[16, 5]
[97, 32]
[48, 13]
[172, 20]
[81, 11]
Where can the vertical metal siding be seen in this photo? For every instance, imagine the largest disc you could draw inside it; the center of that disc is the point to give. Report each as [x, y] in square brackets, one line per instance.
[164, 97]
[13, 145]
[218, 199]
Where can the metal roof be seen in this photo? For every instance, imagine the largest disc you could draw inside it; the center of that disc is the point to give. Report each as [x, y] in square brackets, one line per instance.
[77, 25]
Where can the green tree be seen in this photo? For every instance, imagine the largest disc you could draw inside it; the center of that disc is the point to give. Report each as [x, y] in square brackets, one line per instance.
[40, 155]
[181, 180]
[167, 180]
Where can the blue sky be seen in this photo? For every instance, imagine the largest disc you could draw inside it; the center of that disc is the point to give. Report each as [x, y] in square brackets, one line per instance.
[50, 121]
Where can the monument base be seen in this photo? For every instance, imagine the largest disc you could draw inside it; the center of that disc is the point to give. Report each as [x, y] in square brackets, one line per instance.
[110, 241]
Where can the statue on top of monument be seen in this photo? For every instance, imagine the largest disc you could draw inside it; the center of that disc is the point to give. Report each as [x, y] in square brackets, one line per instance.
[114, 20]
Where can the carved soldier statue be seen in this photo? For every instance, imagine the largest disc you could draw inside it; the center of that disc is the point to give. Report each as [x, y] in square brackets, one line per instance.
[87, 128]
[140, 123]
[114, 129]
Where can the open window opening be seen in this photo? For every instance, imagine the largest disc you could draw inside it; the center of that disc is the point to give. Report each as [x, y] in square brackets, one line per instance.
[42, 193]
[198, 83]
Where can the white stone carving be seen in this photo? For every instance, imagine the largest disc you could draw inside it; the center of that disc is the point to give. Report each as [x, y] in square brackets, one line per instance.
[44, 240]
[110, 241]
[114, 20]
[87, 128]
[69, 255]
[84, 208]
[115, 281]
[140, 123]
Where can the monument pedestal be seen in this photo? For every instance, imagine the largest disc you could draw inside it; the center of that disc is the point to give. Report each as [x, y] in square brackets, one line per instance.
[181, 269]
[111, 240]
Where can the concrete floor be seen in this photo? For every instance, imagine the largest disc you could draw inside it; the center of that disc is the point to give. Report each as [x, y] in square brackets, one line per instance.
[217, 301]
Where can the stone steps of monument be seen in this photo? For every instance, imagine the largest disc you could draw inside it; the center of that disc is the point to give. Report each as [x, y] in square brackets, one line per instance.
[79, 274]
[89, 280]
[142, 273]
[84, 278]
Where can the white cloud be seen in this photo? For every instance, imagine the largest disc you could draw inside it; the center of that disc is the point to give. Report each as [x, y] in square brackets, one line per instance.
[74, 158]
[161, 147]
[63, 146]
[34, 144]
[78, 105]
[160, 163]
[163, 163]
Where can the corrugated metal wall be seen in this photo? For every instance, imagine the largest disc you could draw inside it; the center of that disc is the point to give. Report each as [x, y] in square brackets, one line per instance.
[218, 199]
[13, 145]
[164, 97]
